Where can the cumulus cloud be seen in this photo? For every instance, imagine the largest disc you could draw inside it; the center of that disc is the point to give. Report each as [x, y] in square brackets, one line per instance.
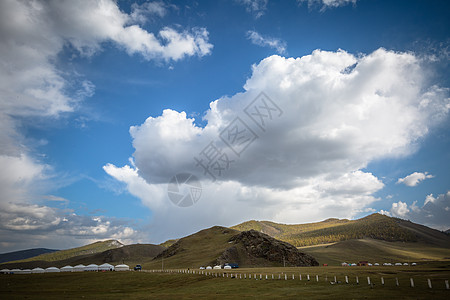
[256, 7]
[331, 113]
[26, 224]
[327, 3]
[435, 211]
[259, 40]
[29, 225]
[32, 35]
[414, 178]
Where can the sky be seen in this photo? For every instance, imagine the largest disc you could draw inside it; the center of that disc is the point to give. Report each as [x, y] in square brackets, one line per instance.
[146, 121]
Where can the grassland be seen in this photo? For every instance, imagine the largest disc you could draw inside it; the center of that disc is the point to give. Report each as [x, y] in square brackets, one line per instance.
[142, 285]
[376, 251]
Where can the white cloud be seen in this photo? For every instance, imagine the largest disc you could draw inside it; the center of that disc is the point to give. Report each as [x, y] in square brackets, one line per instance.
[32, 35]
[256, 7]
[435, 212]
[399, 209]
[414, 178]
[140, 13]
[328, 3]
[340, 112]
[259, 40]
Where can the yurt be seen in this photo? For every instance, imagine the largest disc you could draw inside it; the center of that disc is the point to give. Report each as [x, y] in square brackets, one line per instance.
[66, 269]
[26, 271]
[106, 267]
[217, 267]
[78, 268]
[5, 271]
[122, 268]
[91, 268]
[208, 268]
[227, 267]
[37, 270]
[16, 271]
[52, 270]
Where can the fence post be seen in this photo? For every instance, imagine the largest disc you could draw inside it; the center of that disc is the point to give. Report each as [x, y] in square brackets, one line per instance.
[368, 280]
[382, 281]
[285, 276]
[317, 278]
[447, 287]
[272, 276]
[429, 283]
[357, 280]
[300, 275]
[307, 277]
[396, 282]
[293, 277]
[335, 280]
[279, 276]
[266, 276]
[346, 279]
[412, 282]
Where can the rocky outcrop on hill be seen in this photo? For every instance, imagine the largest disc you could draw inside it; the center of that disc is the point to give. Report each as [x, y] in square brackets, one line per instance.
[255, 248]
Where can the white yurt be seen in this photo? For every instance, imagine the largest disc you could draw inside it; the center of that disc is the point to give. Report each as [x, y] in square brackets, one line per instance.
[122, 268]
[227, 267]
[66, 269]
[78, 268]
[91, 268]
[5, 271]
[208, 268]
[217, 267]
[16, 271]
[26, 271]
[37, 270]
[106, 267]
[52, 270]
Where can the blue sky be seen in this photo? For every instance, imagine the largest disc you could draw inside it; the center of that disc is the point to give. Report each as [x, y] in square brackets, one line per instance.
[103, 102]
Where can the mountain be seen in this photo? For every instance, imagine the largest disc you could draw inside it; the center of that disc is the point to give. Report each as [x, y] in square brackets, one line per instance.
[375, 226]
[218, 245]
[93, 248]
[131, 255]
[377, 238]
[24, 254]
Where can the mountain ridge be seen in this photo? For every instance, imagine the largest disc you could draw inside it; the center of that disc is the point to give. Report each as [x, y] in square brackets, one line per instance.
[374, 226]
[24, 254]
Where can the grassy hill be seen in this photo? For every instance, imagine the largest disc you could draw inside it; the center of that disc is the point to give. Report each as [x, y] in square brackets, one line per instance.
[93, 248]
[376, 238]
[218, 245]
[372, 250]
[374, 226]
[131, 255]
[24, 254]
[169, 243]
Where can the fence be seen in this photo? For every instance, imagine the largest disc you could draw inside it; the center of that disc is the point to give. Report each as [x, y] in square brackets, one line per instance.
[346, 279]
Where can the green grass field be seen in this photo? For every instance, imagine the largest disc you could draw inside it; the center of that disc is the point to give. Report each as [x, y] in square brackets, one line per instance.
[145, 285]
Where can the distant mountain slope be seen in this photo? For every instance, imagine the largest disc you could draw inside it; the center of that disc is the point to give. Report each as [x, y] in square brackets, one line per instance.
[353, 251]
[168, 243]
[218, 245]
[374, 226]
[84, 250]
[131, 254]
[24, 254]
